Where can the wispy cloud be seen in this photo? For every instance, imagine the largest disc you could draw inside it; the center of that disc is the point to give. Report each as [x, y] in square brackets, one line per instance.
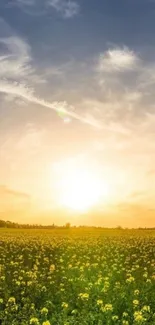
[67, 8]
[18, 78]
[117, 59]
[126, 83]
[14, 204]
[15, 63]
[22, 91]
[5, 192]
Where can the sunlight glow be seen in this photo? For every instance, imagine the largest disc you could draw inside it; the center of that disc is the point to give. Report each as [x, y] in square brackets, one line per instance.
[80, 188]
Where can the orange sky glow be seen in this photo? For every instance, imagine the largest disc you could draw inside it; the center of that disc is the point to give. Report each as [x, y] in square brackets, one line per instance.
[77, 118]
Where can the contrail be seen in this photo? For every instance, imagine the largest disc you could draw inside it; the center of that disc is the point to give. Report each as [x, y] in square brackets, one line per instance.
[23, 92]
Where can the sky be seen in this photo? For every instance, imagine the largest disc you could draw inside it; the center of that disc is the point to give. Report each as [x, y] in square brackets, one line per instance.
[77, 85]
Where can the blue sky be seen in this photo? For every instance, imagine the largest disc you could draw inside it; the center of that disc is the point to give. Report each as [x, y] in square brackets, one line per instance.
[77, 80]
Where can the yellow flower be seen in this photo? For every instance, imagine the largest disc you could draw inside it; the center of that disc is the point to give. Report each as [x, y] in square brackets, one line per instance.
[34, 321]
[84, 296]
[12, 300]
[125, 314]
[46, 323]
[115, 317]
[52, 267]
[107, 307]
[138, 317]
[3, 278]
[135, 302]
[99, 302]
[117, 284]
[145, 275]
[64, 305]
[146, 309]
[43, 289]
[44, 311]
[130, 279]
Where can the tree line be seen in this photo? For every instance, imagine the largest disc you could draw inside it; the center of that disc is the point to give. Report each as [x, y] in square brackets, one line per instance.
[10, 224]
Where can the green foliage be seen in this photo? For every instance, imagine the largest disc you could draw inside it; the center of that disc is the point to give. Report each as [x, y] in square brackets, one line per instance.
[61, 277]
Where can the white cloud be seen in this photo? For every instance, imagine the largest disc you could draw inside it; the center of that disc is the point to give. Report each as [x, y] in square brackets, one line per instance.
[67, 8]
[18, 78]
[125, 86]
[22, 91]
[117, 59]
[15, 61]
[126, 127]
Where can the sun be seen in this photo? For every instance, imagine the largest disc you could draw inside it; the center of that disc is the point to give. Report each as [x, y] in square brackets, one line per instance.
[81, 189]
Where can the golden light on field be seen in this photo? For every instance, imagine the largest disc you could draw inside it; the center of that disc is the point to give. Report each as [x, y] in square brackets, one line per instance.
[80, 188]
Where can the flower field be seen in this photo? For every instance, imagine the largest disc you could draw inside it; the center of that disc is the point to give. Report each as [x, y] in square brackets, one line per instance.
[71, 277]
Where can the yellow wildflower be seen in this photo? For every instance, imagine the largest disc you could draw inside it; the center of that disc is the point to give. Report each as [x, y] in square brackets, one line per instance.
[84, 296]
[12, 300]
[44, 311]
[138, 317]
[34, 321]
[135, 303]
[107, 307]
[115, 317]
[52, 267]
[99, 302]
[146, 309]
[64, 305]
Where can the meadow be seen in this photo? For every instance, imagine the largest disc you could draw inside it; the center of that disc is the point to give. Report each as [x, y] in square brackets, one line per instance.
[77, 277]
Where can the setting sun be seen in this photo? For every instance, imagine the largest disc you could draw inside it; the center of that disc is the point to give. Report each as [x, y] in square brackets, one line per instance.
[80, 189]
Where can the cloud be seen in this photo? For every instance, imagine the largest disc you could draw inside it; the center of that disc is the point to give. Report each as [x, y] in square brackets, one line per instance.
[15, 205]
[18, 78]
[126, 83]
[118, 72]
[11, 200]
[15, 63]
[67, 8]
[22, 91]
[117, 60]
[118, 104]
[5, 192]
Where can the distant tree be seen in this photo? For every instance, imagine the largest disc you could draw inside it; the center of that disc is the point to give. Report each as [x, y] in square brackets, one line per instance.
[68, 225]
[119, 227]
[2, 224]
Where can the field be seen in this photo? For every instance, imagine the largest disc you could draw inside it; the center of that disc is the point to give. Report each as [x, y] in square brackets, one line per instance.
[71, 277]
